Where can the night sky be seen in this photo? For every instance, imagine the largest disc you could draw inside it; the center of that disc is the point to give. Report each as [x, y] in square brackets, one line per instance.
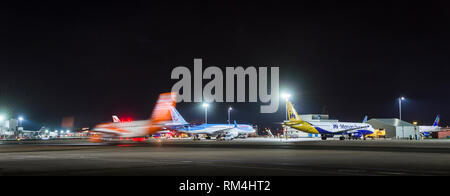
[93, 60]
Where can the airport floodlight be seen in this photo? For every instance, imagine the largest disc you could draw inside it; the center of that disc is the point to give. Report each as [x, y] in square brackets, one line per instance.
[230, 108]
[205, 105]
[20, 118]
[400, 99]
[285, 96]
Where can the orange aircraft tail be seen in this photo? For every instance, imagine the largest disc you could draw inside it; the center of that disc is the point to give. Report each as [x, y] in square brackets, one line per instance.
[161, 111]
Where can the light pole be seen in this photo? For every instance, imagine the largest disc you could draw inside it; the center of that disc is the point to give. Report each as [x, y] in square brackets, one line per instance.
[229, 115]
[286, 97]
[205, 105]
[1, 126]
[19, 132]
[20, 121]
[400, 99]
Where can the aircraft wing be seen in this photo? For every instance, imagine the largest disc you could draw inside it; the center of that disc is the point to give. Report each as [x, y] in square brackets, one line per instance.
[213, 132]
[223, 130]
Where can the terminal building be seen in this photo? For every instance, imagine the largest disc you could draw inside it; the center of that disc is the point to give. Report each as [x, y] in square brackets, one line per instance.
[9, 128]
[395, 128]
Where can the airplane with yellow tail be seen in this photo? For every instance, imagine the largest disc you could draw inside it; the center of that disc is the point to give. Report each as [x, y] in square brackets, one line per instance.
[327, 129]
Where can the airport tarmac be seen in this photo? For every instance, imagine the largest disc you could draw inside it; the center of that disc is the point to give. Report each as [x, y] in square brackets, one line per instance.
[249, 157]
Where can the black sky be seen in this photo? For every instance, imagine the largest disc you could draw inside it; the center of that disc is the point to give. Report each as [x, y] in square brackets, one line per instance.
[90, 60]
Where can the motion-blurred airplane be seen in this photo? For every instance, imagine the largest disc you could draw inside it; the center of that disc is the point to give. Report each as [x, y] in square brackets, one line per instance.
[138, 129]
[327, 129]
[175, 122]
[225, 131]
[435, 127]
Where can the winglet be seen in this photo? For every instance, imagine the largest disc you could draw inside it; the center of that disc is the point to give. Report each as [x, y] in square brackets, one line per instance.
[235, 124]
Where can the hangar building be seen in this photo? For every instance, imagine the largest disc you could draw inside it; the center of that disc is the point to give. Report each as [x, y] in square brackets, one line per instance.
[395, 128]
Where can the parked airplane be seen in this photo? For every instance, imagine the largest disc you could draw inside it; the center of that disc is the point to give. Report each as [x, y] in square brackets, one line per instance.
[136, 129]
[327, 129]
[225, 131]
[435, 127]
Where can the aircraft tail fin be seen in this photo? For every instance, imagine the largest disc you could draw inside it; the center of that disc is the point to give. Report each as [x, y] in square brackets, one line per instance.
[176, 117]
[292, 114]
[115, 119]
[235, 124]
[365, 119]
[161, 112]
[436, 122]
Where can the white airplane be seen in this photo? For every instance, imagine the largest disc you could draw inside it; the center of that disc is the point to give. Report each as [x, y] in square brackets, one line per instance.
[327, 129]
[225, 131]
[435, 127]
[139, 129]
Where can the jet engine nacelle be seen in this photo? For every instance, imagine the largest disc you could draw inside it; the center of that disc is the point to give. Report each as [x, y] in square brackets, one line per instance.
[231, 135]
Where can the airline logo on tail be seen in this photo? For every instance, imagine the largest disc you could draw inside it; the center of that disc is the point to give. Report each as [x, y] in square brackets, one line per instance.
[436, 122]
[176, 117]
[292, 114]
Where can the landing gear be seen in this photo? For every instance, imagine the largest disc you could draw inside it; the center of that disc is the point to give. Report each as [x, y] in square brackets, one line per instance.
[324, 137]
[220, 137]
[342, 138]
[195, 137]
